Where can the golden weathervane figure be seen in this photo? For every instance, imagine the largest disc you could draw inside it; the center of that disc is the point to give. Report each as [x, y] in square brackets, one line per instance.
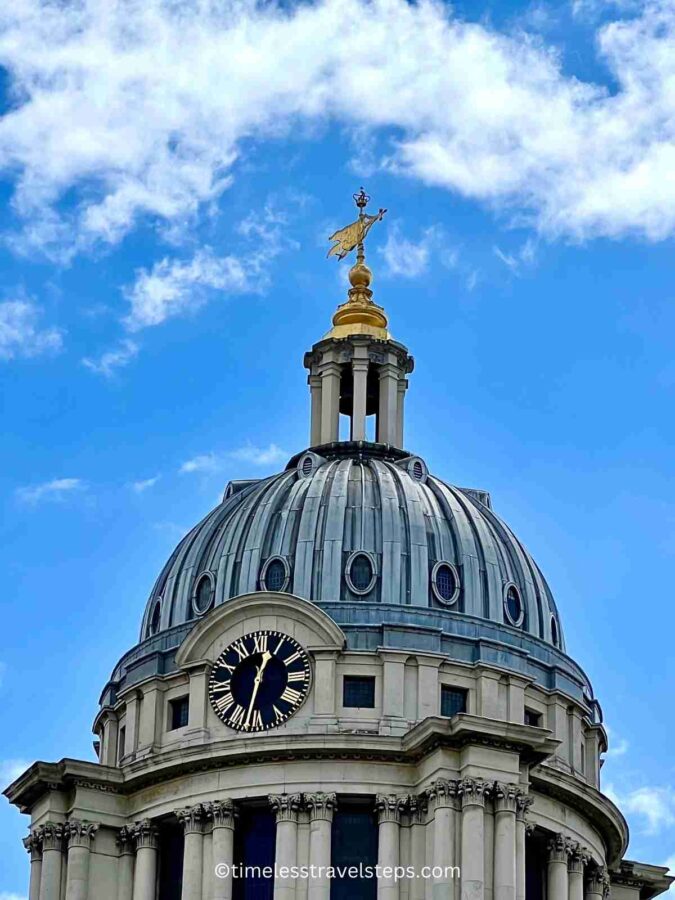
[351, 236]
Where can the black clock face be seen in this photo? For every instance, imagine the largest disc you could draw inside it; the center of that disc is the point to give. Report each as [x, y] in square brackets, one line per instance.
[259, 681]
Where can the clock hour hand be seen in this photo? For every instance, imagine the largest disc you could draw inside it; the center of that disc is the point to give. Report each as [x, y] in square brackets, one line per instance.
[266, 657]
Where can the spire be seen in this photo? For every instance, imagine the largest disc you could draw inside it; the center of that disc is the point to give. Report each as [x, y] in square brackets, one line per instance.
[359, 315]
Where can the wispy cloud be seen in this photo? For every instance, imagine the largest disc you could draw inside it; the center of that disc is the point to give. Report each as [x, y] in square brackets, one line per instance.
[20, 333]
[129, 126]
[654, 806]
[406, 258]
[618, 746]
[516, 260]
[138, 487]
[112, 360]
[216, 462]
[49, 490]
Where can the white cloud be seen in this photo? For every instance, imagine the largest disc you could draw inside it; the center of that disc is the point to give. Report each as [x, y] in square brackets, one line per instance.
[112, 360]
[10, 769]
[138, 487]
[404, 257]
[49, 490]
[142, 110]
[523, 256]
[618, 746]
[655, 806]
[5, 896]
[20, 334]
[215, 462]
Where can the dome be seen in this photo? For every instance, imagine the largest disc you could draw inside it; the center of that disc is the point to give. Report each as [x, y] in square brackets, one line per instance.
[359, 526]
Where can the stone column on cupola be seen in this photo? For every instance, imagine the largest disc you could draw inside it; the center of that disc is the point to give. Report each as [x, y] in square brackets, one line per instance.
[33, 844]
[321, 808]
[192, 819]
[52, 861]
[222, 812]
[473, 792]
[79, 836]
[557, 877]
[575, 871]
[524, 801]
[286, 808]
[125, 863]
[389, 808]
[146, 837]
[442, 796]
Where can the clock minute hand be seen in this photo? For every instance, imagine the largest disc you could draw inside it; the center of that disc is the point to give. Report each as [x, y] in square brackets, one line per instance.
[267, 656]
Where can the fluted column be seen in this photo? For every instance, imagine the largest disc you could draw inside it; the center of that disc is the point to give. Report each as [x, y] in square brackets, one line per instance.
[473, 792]
[443, 796]
[192, 819]
[575, 871]
[321, 808]
[523, 803]
[223, 814]
[286, 807]
[79, 836]
[506, 852]
[146, 838]
[360, 391]
[125, 864]
[558, 882]
[418, 839]
[52, 861]
[389, 808]
[597, 885]
[33, 844]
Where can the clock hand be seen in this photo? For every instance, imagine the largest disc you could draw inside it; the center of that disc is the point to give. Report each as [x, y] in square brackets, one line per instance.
[267, 656]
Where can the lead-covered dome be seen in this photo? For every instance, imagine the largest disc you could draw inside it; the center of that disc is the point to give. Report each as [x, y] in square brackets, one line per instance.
[357, 523]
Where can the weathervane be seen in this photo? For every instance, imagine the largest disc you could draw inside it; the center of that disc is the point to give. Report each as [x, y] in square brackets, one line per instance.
[351, 236]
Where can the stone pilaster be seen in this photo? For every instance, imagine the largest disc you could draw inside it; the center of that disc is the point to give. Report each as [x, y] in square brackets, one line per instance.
[79, 836]
[523, 803]
[33, 844]
[52, 861]
[125, 863]
[418, 807]
[192, 818]
[286, 807]
[473, 793]
[443, 797]
[505, 855]
[389, 809]
[146, 839]
[321, 807]
[223, 815]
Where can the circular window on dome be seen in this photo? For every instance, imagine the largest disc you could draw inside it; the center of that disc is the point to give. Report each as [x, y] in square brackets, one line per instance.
[445, 583]
[555, 632]
[513, 605]
[360, 572]
[202, 599]
[417, 469]
[275, 574]
[155, 618]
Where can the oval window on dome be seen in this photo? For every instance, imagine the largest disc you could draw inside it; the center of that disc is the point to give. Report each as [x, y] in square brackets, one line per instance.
[204, 594]
[275, 574]
[445, 583]
[360, 572]
[555, 633]
[513, 605]
[155, 618]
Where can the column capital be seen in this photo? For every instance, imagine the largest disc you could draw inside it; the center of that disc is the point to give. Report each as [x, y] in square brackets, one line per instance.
[598, 881]
[523, 803]
[417, 807]
[52, 836]
[558, 848]
[473, 792]
[443, 792]
[33, 844]
[125, 840]
[321, 806]
[505, 797]
[80, 834]
[222, 812]
[578, 859]
[286, 806]
[192, 818]
[390, 806]
[146, 835]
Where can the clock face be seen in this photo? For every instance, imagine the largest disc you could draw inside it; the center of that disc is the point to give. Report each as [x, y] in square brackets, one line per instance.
[259, 681]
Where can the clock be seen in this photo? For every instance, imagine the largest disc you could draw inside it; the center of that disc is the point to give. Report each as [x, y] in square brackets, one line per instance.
[259, 681]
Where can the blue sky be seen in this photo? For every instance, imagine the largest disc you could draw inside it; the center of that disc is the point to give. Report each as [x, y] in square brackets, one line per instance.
[169, 175]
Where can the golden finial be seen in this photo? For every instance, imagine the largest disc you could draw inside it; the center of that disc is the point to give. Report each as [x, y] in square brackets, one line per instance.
[359, 315]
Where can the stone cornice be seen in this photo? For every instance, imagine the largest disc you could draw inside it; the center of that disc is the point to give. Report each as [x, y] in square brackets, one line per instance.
[65, 775]
[651, 880]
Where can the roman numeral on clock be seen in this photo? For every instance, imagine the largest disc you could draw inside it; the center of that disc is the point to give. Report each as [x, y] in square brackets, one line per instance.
[260, 643]
[291, 696]
[297, 676]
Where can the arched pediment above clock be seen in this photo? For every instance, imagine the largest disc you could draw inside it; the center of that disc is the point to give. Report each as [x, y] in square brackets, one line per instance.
[298, 618]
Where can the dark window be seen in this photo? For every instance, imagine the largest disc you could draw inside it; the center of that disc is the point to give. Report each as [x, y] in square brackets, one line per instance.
[275, 576]
[446, 582]
[514, 606]
[358, 691]
[555, 636]
[307, 465]
[353, 841]
[453, 700]
[532, 718]
[155, 619]
[418, 470]
[254, 845]
[361, 572]
[171, 851]
[120, 743]
[179, 711]
[204, 594]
